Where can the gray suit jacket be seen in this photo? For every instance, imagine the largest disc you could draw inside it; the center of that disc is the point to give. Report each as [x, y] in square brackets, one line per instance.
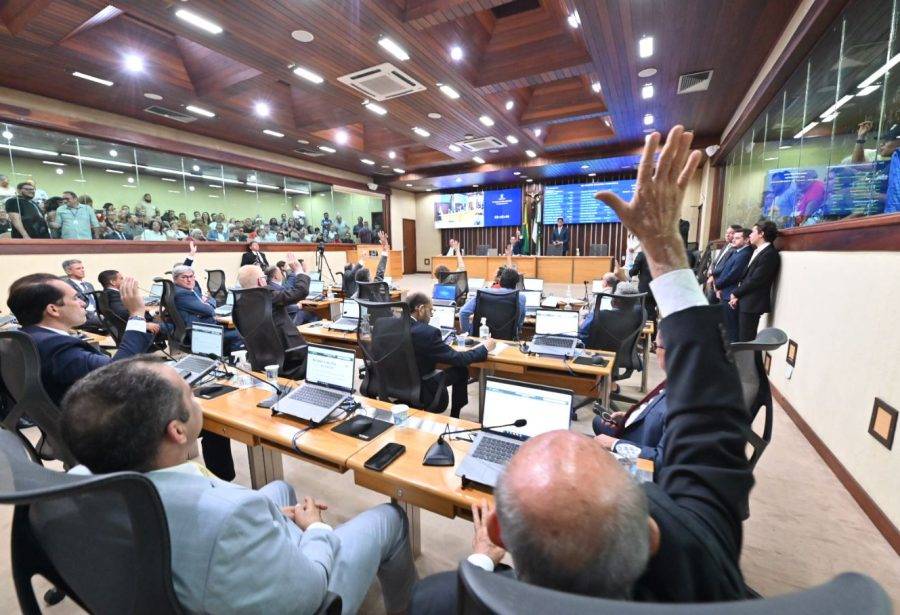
[233, 551]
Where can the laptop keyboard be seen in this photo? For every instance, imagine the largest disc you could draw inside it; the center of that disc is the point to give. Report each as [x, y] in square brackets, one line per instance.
[322, 398]
[549, 340]
[495, 451]
[194, 364]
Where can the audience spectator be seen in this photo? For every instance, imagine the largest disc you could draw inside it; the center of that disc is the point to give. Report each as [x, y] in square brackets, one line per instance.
[365, 233]
[25, 214]
[154, 233]
[117, 232]
[6, 190]
[253, 256]
[76, 218]
[74, 270]
[217, 233]
[5, 226]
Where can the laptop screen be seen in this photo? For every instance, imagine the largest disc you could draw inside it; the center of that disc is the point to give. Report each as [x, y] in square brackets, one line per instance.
[545, 409]
[556, 322]
[157, 289]
[444, 316]
[330, 366]
[230, 299]
[207, 339]
[315, 275]
[475, 283]
[445, 292]
[533, 284]
[316, 287]
[349, 309]
[532, 298]
[388, 280]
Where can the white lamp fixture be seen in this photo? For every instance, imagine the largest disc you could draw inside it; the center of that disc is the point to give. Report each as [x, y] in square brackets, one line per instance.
[421, 132]
[133, 63]
[81, 75]
[398, 171]
[376, 109]
[454, 148]
[645, 47]
[200, 111]
[307, 74]
[113, 153]
[486, 120]
[530, 153]
[596, 87]
[329, 150]
[647, 91]
[512, 139]
[341, 137]
[262, 109]
[510, 104]
[456, 53]
[273, 133]
[478, 159]
[537, 132]
[392, 154]
[449, 92]
[367, 161]
[393, 48]
[648, 119]
[574, 19]
[198, 21]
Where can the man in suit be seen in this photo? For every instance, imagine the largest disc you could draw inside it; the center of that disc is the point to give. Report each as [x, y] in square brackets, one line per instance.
[560, 236]
[253, 256]
[677, 539]
[753, 296]
[716, 266]
[111, 282]
[726, 279]
[48, 308]
[430, 350]
[117, 232]
[74, 277]
[233, 549]
[295, 289]
[194, 306]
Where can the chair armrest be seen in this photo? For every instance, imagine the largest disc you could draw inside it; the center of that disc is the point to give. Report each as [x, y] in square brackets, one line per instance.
[435, 374]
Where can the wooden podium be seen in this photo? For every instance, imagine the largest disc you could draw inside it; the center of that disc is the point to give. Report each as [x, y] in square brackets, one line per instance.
[368, 255]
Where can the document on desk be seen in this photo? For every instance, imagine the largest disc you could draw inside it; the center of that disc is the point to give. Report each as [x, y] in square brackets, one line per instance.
[500, 347]
[550, 301]
[425, 425]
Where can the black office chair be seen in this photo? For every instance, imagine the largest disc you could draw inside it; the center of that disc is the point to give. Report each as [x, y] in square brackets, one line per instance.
[180, 337]
[215, 284]
[391, 372]
[109, 319]
[482, 593]
[252, 315]
[554, 250]
[460, 279]
[501, 310]
[598, 249]
[482, 249]
[24, 396]
[618, 330]
[379, 292]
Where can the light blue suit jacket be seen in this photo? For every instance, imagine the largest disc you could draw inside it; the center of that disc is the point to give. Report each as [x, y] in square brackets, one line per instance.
[233, 551]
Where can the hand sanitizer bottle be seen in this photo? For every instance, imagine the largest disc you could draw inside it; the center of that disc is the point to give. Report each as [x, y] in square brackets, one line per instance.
[483, 331]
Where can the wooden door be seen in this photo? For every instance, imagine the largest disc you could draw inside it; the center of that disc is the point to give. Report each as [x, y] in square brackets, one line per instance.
[409, 246]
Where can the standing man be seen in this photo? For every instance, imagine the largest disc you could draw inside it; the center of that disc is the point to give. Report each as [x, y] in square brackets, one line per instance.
[358, 226]
[326, 224]
[77, 220]
[716, 266]
[560, 236]
[74, 277]
[339, 226]
[25, 215]
[753, 296]
[727, 279]
[6, 190]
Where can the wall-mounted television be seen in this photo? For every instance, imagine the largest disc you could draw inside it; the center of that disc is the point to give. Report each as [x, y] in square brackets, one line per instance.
[575, 203]
[483, 208]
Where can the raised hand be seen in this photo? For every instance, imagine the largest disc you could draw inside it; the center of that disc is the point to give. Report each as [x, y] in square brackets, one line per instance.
[131, 297]
[193, 248]
[653, 213]
[863, 129]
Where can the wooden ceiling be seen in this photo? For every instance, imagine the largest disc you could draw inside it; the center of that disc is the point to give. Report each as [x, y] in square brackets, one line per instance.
[520, 51]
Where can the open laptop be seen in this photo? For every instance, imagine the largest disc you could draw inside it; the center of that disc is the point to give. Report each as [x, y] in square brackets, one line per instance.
[444, 294]
[329, 381]
[444, 318]
[315, 275]
[205, 339]
[349, 316]
[533, 284]
[506, 401]
[225, 310]
[155, 295]
[316, 290]
[532, 301]
[555, 332]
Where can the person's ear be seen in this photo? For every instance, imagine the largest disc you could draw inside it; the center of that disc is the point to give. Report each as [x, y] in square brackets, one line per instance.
[654, 536]
[493, 527]
[176, 432]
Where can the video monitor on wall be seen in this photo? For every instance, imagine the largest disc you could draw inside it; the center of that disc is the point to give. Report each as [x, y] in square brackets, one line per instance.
[575, 203]
[472, 209]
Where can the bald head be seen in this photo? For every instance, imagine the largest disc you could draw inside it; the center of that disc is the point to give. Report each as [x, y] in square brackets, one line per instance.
[572, 518]
[250, 276]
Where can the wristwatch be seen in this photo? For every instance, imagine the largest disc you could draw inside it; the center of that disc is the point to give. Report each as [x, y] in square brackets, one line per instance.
[141, 318]
[627, 450]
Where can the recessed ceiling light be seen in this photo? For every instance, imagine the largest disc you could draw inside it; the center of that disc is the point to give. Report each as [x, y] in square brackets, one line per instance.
[55, 164]
[303, 36]
[81, 75]
[394, 49]
[645, 47]
[456, 53]
[421, 132]
[585, 167]
[113, 153]
[307, 74]
[494, 151]
[130, 180]
[152, 96]
[216, 186]
[517, 173]
[449, 92]
[647, 72]
[377, 109]
[459, 179]
[191, 188]
[409, 185]
[200, 111]
[198, 21]
[784, 147]
[512, 139]
[367, 161]
[341, 137]
[574, 19]
[529, 180]
[435, 116]
[133, 62]
[648, 119]
[116, 171]
[530, 153]
[537, 132]
[478, 159]
[647, 91]
[59, 171]
[273, 133]
[487, 121]
[262, 109]
[454, 148]
[596, 87]
[302, 141]
[428, 189]
[592, 175]
[196, 168]
[510, 104]
[399, 171]
[325, 148]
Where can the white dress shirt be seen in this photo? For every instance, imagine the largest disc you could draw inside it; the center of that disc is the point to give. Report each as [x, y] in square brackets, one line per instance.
[757, 251]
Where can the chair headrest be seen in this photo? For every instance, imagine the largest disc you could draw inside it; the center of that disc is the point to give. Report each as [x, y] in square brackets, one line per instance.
[767, 339]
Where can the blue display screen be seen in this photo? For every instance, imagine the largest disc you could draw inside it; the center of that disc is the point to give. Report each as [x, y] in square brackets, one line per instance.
[503, 207]
[575, 203]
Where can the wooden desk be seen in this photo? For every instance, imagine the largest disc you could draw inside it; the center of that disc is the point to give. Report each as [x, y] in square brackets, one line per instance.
[396, 294]
[318, 333]
[322, 308]
[102, 341]
[554, 269]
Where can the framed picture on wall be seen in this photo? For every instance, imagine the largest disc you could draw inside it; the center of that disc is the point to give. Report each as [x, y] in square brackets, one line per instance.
[767, 362]
[791, 356]
[883, 423]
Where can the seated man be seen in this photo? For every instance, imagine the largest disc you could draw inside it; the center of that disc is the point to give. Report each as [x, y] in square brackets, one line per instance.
[573, 519]
[509, 279]
[430, 350]
[234, 550]
[362, 274]
[623, 289]
[196, 306]
[278, 281]
[111, 281]
[48, 308]
[74, 277]
[295, 289]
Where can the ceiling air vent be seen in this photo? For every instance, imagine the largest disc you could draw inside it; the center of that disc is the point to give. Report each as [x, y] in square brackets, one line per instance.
[170, 114]
[382, 82]
[308, 151]
[481, 143]
[694, 82]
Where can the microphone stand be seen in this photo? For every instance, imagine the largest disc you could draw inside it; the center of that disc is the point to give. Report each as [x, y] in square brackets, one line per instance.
[280, 391]
[440, 453]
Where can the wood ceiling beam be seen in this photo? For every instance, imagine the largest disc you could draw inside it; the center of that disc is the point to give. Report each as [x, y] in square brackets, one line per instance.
[422, 14]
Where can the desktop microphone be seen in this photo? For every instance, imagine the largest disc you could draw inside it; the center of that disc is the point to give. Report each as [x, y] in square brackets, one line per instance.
[440, 453]
[586, 294]
[279, 390]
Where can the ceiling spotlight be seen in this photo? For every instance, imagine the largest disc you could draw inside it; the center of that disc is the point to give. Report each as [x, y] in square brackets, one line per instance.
[478, 159]
[456, 53]
[421, 132]
[530, 153]
[645, 47]
[428, 189]
[302, 36]
[273, 133]
[648, 119]
[647, 72]
[151, 95]
[191, 188]
[307, 74]
[574, 19]
[596, 87]
[377, 109]
[647, 91]
[302, 141]
[80, 75]
[537, 132]
[262, 109]
[475, 185]
[392, 154]
[325, 148]
[454, 148]
[394, 49]
[196, 168]
[512, 139]
[130, 180]
[510, 104]
[517, 173]
[341, 137]
[449, 92]
[200, 22]
[398, 171]
[59, 171]
[435, 116]
[367, 161]
[200, 111]
[487, 121]
[133, 63]
[113, 153]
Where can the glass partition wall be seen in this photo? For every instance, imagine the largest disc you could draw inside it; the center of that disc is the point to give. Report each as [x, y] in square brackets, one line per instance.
[825, 149]
[144, 194]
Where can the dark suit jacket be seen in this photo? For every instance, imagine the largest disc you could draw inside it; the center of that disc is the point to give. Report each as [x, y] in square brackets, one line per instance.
[294, 289]
[723, 259]
[192, 309]
[116, 306]
[641, 269]
[728, 277]
[66, 358]
[755, 288]
[117, 235]
[84, 297]
[561, 235]
[431, 350]
[648, 430]
[249, 258]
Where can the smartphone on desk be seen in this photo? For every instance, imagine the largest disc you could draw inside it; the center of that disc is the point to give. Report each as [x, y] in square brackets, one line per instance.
[385, 457]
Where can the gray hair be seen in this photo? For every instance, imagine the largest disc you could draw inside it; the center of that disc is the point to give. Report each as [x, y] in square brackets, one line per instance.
[178, 270]
[610, 279]
[627, 288]
[603, 558]
[69, 262]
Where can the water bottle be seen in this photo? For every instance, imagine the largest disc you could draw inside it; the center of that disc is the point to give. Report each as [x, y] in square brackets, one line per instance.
[577, 251]
[483, 331]
[569, 293]
[241, 379]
